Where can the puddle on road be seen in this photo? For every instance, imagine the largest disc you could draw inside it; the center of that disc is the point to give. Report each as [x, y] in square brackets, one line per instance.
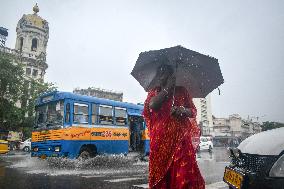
[98, 166]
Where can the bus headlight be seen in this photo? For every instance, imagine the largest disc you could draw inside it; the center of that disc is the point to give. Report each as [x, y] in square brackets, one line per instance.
[277, 169]
[35, 149]
[57, 149]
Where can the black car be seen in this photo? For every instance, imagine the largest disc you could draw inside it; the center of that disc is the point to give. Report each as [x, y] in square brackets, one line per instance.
[258, 162]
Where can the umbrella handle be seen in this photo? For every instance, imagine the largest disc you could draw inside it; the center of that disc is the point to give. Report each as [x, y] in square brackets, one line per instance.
[173, 102]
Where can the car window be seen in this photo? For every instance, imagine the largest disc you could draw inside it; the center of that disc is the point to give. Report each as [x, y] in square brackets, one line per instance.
[203, 140]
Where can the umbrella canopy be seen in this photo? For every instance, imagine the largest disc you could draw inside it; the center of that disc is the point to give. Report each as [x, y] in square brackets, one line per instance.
[198, 73]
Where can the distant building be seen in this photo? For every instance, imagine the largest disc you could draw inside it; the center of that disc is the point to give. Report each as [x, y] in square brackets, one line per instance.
[250, 127]
[221, 127]
[31, 42]
[235, 126]
[204, 114]
[100, 93]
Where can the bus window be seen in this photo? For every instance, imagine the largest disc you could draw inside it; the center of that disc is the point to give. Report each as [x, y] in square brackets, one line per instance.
[94, 114]
[120, 116]
[105, 115]
[81, 114]
[67, 116]
[49, 115]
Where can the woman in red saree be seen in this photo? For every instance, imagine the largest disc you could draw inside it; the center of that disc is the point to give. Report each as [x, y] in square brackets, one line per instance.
[174, 135]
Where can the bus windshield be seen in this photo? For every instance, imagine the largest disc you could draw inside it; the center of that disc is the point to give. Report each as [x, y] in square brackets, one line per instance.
[50, 115]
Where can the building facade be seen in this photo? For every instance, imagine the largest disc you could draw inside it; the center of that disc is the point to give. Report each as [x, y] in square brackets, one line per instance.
[221, 127]
[204, 114]
[100, 93]
[31, 43]
[235, 126]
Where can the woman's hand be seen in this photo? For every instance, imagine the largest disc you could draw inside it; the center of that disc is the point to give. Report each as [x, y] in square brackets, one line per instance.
[180, 112]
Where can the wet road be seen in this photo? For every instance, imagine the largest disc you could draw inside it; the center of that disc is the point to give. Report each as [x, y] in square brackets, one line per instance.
[19, 170]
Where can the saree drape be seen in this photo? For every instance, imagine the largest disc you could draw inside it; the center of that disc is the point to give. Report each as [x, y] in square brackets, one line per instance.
[173, 144]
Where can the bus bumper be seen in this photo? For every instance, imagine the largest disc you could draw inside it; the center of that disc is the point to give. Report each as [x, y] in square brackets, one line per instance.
[48, 149]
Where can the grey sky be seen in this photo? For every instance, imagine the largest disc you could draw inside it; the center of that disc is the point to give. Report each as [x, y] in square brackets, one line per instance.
[96, 43]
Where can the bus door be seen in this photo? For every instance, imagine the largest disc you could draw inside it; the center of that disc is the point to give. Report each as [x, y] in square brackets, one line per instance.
[136, 130]
[67, 113]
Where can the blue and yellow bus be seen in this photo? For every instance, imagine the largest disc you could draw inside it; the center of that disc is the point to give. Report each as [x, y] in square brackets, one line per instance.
[72, 125]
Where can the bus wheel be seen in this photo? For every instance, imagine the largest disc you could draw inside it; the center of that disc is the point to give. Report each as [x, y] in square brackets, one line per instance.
[85, 154]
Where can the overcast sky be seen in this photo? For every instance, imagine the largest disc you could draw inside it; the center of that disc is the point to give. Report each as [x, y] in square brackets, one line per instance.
[96, 43]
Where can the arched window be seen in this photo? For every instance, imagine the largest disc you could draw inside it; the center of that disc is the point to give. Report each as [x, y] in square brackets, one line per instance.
[34, 44]
[21, 43]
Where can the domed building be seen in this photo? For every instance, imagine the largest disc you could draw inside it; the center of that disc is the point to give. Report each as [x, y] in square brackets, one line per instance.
[31, 43]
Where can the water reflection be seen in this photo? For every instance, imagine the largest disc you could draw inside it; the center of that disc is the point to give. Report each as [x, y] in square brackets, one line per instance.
[2, 170]
[217, 154]
[98, 165]
[106, 165]
[22, 171]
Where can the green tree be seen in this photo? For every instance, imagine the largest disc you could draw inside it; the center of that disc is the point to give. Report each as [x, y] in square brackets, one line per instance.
[18, 95]
[271, 125]
[11, 80]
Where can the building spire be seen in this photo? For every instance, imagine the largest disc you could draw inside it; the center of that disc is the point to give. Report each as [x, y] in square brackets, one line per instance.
[35, 9]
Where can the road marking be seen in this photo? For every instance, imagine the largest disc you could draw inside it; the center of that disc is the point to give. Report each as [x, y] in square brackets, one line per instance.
[216, 185]
[141, 186]
[93, 176]
[124, 179]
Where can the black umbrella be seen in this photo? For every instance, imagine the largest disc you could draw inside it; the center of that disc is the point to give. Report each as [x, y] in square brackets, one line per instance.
[198, 73]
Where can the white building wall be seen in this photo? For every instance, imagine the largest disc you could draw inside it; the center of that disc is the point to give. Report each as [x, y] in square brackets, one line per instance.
[196, 102]
[204, 114]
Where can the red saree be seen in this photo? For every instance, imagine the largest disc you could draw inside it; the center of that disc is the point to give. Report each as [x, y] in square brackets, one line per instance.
[173, 143]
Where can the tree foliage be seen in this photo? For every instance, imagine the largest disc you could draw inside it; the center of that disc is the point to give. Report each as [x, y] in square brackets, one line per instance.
[18, 95]
[11, 77]
[271, 125]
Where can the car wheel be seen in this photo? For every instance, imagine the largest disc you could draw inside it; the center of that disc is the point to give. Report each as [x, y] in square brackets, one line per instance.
[26, 149]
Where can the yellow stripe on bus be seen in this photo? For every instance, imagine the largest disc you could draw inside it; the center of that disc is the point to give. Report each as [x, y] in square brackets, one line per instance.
[82, 133]
[85, 133]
